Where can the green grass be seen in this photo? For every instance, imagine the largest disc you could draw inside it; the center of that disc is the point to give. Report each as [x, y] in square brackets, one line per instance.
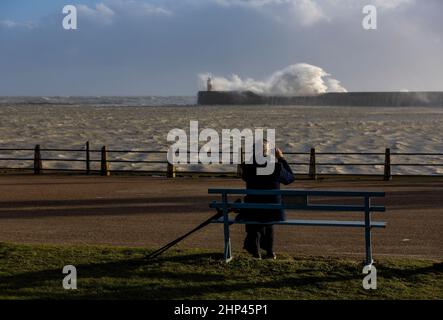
[35, 271]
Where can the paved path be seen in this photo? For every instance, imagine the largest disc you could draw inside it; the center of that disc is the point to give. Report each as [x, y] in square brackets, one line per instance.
[147, 211]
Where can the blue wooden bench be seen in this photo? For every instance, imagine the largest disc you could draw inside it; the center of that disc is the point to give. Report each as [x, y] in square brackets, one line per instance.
[300, 200]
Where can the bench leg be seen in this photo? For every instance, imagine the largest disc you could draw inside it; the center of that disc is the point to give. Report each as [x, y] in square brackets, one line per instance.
[369, 259]
[368, 244]
[228, 250]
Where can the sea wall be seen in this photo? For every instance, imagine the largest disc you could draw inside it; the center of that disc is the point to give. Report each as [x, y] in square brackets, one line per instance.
[401, 99]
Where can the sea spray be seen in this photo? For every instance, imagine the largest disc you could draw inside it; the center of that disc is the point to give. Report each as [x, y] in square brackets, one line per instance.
[297, 79]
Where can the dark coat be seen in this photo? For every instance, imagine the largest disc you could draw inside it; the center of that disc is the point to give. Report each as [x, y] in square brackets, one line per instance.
[282, 174]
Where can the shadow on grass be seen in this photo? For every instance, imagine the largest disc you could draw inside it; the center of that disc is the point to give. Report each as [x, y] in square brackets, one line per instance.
[181, 276]
[390, 272]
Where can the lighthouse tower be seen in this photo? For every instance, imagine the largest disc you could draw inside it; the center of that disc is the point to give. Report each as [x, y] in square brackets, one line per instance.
[209, 84]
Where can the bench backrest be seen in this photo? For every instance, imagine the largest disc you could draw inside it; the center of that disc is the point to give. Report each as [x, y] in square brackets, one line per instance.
[299, 199]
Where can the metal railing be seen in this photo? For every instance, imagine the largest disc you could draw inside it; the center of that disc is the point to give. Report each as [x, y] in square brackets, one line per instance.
[102, 158]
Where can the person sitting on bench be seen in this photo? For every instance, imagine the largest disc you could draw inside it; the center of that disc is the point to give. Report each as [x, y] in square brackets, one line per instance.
[262, 236]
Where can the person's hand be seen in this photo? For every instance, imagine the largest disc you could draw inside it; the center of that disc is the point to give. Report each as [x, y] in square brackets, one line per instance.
[278, 154]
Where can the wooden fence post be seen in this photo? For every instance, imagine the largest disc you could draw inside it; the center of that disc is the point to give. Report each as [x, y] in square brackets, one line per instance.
[170, 170]
[240, 165]
[37, 160]
[312, 165]
[88, 159]
[104, 167]
[387, 172]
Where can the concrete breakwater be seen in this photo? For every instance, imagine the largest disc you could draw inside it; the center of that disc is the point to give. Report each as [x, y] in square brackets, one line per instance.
[366, 99]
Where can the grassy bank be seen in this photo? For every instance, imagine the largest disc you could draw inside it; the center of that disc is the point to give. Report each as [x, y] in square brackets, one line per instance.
[35, 271]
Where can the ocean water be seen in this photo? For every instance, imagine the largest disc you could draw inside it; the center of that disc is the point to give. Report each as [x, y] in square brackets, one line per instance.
[142, 123]
[100, 101]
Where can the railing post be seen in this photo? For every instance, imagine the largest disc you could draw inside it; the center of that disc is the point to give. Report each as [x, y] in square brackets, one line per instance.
[387, 172]
[88, 159]
[37, 160]
[104, 164]
[240, 165]
[170, 170]
[312, 165]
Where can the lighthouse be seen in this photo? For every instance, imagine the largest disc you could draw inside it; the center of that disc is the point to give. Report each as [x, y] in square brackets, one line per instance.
[209, 84]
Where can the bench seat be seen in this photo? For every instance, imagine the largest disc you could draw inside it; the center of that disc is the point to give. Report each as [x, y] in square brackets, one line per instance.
[320, 223]
[308, 207]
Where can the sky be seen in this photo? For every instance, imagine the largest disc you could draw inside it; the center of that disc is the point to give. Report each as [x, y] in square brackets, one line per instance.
[149, 47]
